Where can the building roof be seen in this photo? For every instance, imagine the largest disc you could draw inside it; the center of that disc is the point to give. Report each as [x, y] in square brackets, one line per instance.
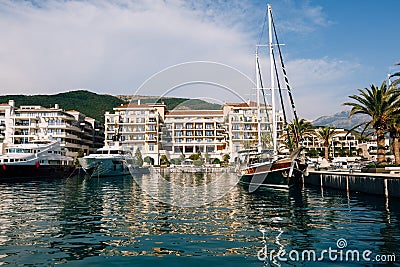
[4, 105]
[194, 112]
[243, 104]
[135, 105]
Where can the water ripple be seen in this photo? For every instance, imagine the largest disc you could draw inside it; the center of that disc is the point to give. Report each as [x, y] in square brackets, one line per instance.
[75, 221]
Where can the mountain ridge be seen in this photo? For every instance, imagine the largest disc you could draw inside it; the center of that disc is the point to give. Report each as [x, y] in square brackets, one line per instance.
[341, 120]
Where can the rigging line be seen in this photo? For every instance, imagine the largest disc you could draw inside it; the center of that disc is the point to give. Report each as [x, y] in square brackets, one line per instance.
[282, 104]
[263, 26]
[265, 103]
[296, 119]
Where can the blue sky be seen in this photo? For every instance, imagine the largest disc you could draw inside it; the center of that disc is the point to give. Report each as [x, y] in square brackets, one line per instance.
[331, 47]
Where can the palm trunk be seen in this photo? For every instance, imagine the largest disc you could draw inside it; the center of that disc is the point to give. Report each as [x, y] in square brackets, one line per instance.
[327, 152]
[381, 146]
[396, 150]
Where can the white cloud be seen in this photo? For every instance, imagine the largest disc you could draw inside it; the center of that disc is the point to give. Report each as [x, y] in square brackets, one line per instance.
[322, 84]
[301, 17]
[109, 46]
[114, 46]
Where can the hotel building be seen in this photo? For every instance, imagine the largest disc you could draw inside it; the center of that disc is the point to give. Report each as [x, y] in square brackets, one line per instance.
[241, 120]
[189, 131]
[136, 126]
[26, 123]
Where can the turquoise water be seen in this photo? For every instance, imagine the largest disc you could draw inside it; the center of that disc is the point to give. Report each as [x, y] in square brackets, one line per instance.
[113, 222]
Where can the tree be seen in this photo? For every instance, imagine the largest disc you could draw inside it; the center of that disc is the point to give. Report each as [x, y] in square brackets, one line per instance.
[182, 158]
[394, 131]
[138, 160]
[164, 160]
[199, 162]
[394, 125]
[325, 135]
[149, 160]
[215, 161]
[247, 144]
[380, 104]
[226, 158]
[194, 156]
[266, 140]
[298, 130]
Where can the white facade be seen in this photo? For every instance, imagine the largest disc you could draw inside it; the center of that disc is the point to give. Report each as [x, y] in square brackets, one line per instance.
[190, 131]
[136, 126]
[241, 120]
[26, 123]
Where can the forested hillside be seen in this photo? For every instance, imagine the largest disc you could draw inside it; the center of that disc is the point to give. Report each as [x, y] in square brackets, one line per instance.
[95, 105]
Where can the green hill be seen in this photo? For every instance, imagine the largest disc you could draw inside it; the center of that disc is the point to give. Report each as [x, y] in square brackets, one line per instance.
[91, 104]
[95, 105]
[181, 103]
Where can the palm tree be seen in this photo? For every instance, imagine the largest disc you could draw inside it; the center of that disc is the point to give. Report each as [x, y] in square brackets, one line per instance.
[381, 104]
[394, 130]
[325, 134]
[394, 126]
[299, 130]
[266, 140]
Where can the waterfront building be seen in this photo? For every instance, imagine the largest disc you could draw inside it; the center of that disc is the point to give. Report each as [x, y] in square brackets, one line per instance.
[344, 144]
[241, 120]
[26, 123]
[191, 131]
[136, 126]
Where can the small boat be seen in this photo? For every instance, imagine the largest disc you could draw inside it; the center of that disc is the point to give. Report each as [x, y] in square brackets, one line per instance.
[42, 158]
[260, 167]
[107, 161]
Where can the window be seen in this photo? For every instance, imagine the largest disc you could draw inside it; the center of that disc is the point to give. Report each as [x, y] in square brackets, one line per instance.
[151, 147]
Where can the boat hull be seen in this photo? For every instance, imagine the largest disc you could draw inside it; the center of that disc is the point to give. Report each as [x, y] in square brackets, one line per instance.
[273, 176]
[35, 171]
[104, 167]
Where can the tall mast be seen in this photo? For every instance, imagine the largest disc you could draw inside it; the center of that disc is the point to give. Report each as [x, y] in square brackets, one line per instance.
[259, 145]
[271, 58]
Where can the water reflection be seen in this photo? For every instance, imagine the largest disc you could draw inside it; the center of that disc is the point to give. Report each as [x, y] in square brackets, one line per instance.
[49, 222]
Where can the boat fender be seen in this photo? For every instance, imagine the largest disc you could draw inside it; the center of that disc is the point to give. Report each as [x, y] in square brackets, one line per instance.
[37, 164]
[4, 167]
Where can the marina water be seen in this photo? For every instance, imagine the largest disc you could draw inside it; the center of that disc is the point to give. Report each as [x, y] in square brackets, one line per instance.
[113, 222]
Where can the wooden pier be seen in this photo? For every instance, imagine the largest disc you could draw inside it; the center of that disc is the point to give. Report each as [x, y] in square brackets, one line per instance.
[371, 183]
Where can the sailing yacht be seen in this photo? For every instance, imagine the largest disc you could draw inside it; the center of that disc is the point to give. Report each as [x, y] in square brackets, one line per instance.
[259, 167]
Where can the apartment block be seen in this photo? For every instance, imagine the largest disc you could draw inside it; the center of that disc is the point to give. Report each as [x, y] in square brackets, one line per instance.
[26, 123]
[241, 120]
[136, 126]
[189, 131]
